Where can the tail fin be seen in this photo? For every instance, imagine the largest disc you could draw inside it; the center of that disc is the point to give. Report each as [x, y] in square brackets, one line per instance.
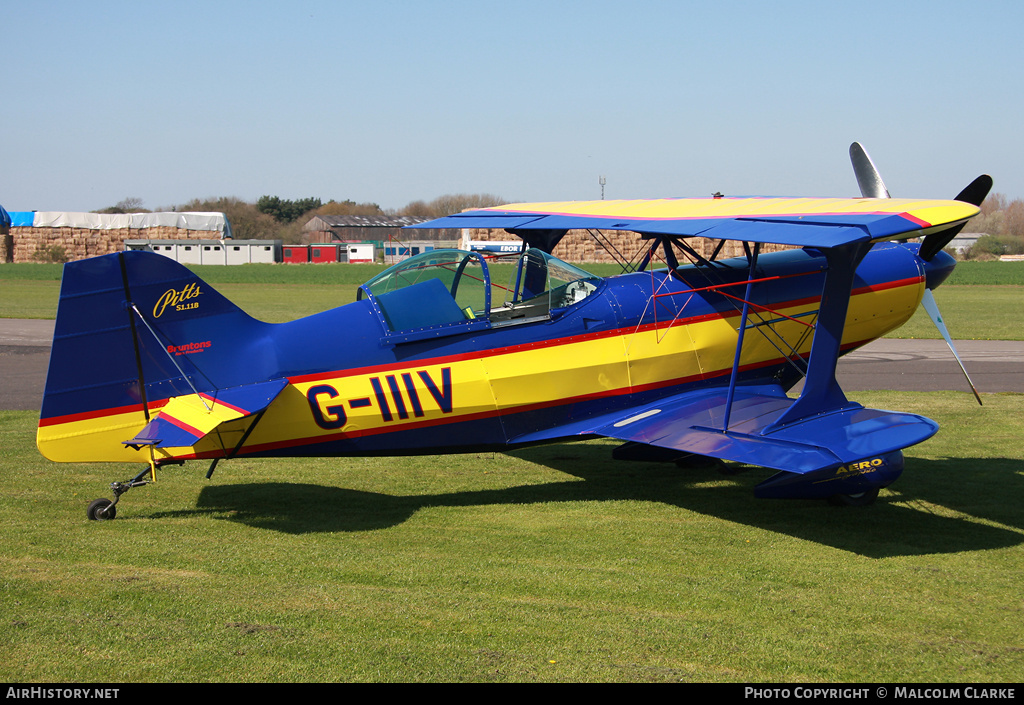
[133, 330]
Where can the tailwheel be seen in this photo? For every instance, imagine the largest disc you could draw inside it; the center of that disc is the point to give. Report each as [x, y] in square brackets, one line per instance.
[860, 499]
[101, 509]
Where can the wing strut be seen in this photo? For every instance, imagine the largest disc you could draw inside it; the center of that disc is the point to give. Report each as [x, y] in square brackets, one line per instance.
[739, 337]
[821, 392]
[609, 247]
[245, 436]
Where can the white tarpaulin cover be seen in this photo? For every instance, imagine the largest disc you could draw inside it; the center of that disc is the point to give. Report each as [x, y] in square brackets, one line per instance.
[215, 222]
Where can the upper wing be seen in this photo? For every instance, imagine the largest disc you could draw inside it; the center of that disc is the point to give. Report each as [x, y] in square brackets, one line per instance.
[803, 222]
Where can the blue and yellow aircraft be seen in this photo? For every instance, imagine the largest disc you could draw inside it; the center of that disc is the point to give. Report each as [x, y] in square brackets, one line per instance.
[450, 352]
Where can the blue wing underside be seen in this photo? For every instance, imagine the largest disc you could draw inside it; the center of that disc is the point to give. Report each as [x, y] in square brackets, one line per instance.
[695, 423]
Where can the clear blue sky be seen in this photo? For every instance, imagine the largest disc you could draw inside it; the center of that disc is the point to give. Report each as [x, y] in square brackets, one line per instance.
[396, 100]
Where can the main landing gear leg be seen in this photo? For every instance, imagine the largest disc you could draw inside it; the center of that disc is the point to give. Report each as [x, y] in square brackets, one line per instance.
[861, 499]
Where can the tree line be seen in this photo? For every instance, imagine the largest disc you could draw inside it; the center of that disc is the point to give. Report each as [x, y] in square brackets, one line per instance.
[275, 218]
[1002, 222]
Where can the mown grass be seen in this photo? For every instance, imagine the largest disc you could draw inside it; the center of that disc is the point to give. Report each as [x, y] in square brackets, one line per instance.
[545, 564]
[273, 293]
[992, 273]
[971, 313]
[966, 273]
[971, 308]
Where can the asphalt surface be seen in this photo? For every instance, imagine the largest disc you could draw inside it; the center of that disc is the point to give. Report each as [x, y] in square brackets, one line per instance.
[903, 365]
[24, 356]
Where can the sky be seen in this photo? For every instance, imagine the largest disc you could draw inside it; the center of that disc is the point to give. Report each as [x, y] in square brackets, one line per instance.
[392, 101]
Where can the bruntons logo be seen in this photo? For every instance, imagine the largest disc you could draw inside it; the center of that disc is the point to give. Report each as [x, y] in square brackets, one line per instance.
[188, 348]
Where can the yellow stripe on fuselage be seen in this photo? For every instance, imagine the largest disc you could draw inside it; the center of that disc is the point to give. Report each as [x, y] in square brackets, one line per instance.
[381, 400]
[92, 439]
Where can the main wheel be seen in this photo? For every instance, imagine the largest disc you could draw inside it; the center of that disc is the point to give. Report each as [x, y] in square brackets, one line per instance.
[101, 509]
[861, 499]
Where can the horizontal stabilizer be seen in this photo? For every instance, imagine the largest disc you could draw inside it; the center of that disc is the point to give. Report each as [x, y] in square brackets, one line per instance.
[693, 423]
[186, 419]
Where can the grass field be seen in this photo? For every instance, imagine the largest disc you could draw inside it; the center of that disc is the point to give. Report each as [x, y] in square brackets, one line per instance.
[548, 564]
[982, 300]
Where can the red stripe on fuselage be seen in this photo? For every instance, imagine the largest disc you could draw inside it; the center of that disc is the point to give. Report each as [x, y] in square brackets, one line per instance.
[479, 354]
[556, 342]
[99, 413]
[569, 401]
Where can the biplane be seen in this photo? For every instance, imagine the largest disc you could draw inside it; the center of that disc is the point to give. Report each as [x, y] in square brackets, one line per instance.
[684, 356]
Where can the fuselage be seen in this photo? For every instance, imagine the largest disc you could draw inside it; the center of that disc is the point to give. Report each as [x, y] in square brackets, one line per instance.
[638, 337]
[493, 383]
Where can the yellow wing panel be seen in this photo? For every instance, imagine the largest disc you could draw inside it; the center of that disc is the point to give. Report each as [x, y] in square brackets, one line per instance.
[932, 212]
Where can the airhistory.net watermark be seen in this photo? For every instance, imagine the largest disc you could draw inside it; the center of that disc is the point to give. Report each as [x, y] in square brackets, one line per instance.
[47, 693]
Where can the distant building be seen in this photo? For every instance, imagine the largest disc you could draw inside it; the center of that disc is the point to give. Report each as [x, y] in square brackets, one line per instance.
[384, 232]
[964, 241]
[353, 253]
[369, 228]
[212, 251]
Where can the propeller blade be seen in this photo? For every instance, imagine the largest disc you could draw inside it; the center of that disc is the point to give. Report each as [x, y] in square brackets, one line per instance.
[933, 311]
[868, 178]
[974, 193]
[934, 243]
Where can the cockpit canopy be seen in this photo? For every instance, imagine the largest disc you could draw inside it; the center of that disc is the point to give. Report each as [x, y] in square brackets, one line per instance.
[446, 292]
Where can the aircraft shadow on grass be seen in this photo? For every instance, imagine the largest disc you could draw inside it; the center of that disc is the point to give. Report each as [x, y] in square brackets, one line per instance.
[934, 511]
